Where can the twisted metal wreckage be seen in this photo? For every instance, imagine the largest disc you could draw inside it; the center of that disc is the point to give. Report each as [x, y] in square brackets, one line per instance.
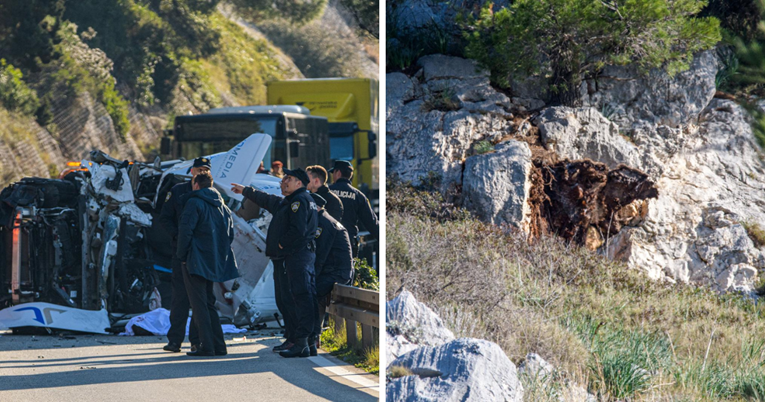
[85, 251]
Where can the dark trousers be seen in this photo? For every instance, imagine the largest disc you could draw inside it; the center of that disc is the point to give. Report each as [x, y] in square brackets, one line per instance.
[301, 292]
[202, 299]
[281, 290]
[324, 286]
[179, 310]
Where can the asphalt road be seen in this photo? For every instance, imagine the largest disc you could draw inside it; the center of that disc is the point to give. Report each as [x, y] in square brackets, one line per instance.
[115, 368]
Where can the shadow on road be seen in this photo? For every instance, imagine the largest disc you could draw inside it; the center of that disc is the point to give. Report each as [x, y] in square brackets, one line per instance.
[153, 364]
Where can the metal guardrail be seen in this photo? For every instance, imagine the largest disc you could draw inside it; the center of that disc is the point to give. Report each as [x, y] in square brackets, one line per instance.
[351, 305]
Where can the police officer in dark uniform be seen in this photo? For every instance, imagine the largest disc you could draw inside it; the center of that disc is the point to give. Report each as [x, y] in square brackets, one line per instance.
[318, 185]
[356, 206]
[290, 242]
[334, 263]
[170, 218]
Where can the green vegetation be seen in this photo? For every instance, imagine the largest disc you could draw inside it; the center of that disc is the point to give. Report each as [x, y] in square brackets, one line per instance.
[15, 95]
[365, 276]
[336, 344]
[602, 325]
[564, 40]
[444, 101]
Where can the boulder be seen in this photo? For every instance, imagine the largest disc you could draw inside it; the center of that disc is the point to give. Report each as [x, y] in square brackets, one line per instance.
[496, 184]
[410, 323]
[426, 139]
[461, 370]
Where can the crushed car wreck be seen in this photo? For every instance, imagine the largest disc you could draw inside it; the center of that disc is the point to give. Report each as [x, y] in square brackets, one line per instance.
[92, 240]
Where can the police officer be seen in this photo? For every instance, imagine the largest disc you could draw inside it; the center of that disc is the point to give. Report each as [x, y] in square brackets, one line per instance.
[356, 206]
[205, 234]
[318, 185]
[169, 218]
[290, 242]
[334, 263]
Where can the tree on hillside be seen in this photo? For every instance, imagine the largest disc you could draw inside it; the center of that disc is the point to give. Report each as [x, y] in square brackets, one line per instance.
[295, 11]
[565, 39]
[28, 31]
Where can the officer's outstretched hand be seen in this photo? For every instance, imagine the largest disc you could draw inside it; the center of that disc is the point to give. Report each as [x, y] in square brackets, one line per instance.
[237, 188]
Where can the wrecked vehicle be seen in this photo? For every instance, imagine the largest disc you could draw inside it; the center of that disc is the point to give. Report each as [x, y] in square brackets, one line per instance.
[92, 240]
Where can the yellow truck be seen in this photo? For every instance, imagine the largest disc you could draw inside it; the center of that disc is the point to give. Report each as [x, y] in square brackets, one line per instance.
[351, 107]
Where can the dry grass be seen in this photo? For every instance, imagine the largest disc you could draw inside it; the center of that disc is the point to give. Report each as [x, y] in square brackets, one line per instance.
[599, 323]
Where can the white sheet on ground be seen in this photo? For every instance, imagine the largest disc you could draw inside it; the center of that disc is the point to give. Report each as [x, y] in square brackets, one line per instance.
[158, 323]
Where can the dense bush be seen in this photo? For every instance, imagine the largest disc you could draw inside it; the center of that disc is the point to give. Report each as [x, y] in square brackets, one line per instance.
[14, 93]
[566, 39]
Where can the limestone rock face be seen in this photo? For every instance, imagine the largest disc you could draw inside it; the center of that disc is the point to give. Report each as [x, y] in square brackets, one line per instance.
[583, 133]
[435, 118]
[699, 151]
[626, 96]
[496, 185]
[461, 370]
[710, 184]
[411, 324]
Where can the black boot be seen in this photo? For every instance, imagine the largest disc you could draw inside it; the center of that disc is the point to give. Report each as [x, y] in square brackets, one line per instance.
[299, 349]
[313, 345]
[172, 347]
[284, 346]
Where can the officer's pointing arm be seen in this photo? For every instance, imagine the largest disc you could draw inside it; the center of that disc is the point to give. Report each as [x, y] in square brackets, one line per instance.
[264, 200]
[188, 223]
[368, 217]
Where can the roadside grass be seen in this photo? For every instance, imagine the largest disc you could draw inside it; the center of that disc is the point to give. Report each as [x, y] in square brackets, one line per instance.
[602, 325]
[367, 359]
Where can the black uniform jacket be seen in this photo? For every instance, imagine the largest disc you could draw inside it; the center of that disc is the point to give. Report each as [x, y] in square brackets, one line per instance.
[294, 222]
[356, 208]
[205, 235]
[334, 206]
[333, 249]
[173, 208]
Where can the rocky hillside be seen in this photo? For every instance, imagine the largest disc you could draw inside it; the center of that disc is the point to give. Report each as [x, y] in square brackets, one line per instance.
[112, 75]
[672, 179]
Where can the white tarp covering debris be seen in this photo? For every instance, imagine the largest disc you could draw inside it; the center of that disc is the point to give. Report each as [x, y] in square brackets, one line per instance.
[158, 323]
[38, 314]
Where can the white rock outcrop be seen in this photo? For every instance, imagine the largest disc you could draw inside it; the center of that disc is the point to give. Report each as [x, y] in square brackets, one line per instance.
[420, 139]
[461, 370]
[411, 324]
[496, 185]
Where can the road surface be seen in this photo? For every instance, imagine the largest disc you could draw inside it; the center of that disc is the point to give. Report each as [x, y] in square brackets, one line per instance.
[116, 368]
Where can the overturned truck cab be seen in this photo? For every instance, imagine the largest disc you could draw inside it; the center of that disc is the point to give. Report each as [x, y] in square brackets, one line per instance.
[92, 240]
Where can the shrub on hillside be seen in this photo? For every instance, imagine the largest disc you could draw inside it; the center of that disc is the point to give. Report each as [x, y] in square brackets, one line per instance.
[15, 95]
[566, 39]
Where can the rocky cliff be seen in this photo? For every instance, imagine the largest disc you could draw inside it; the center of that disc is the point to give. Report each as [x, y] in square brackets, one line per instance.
[652, 170]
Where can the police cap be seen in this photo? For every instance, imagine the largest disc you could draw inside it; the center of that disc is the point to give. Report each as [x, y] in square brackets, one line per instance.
[202, 161]
[342, 165]
[299, 174]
